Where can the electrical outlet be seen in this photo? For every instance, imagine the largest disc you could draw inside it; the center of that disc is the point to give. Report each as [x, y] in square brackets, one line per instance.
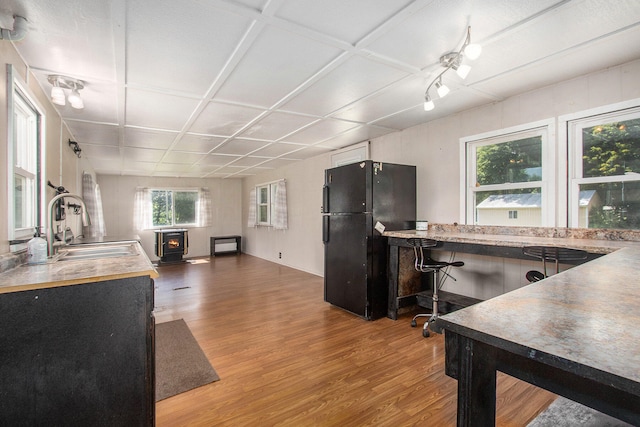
[279, 254]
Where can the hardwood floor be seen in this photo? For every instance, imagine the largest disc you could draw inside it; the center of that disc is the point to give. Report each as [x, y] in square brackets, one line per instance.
[287, 358]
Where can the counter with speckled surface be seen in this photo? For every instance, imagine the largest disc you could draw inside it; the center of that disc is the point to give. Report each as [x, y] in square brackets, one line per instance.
[575, 333]
[64, 273]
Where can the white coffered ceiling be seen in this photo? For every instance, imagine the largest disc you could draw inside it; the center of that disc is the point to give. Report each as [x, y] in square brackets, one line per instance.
[221, 88]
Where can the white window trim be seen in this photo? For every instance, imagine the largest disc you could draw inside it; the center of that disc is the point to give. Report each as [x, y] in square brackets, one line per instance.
[567, 138]
[15, 82]
[549, 155]
[270, 186]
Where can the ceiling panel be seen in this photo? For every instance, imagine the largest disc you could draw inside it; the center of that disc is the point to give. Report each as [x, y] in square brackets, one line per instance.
[320, 131]
[275, 65]
[198, 143]
[182, 157]
[349, 82]
[169, 47]
[158, 110]
[224, 119]
[95, 133]
[278, 149]
[145, 138]
[240, 146]
[344, 20]
[143, 154]
[218, 159]
[168, 82]
[277, 125]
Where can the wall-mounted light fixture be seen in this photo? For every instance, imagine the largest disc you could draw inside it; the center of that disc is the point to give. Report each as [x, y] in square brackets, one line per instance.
[452, 60]
[75, 147]
[60, 83]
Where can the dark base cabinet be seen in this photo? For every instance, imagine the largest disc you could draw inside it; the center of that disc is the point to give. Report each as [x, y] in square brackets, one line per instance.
[80, 355]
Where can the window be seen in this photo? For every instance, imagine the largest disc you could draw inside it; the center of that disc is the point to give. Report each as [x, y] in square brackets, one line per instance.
[265, 203]
[604, 190]
[170, 207]
[24, 160]
[268, 205]
[155, 208]
[507, 172]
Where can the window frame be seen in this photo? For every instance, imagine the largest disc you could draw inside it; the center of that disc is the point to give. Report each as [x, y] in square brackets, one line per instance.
[574, 125]
[546, 129]
[17, 92]
[269, 203]
[173, 215]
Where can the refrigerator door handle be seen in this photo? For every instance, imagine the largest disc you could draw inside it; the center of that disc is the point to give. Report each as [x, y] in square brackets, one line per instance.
[325, 228]
[325, 199]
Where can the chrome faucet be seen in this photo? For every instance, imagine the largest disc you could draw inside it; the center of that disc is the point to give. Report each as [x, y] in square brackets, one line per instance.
[86, 221]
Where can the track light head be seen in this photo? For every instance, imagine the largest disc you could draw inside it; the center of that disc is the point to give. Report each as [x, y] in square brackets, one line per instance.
[60, 83]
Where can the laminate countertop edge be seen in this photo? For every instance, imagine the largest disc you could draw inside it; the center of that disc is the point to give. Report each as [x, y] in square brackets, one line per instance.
[596, 246]
[28, 277]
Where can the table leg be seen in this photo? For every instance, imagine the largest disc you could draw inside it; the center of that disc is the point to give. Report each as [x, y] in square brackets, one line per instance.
[476, 383]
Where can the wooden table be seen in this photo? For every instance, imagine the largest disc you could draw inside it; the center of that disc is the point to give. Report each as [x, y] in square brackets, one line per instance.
[576, 334]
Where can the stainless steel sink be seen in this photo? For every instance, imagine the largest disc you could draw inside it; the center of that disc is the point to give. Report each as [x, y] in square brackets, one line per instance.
[97, 251]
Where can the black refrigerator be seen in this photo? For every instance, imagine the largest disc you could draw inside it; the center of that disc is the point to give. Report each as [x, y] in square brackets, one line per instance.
[355, 198]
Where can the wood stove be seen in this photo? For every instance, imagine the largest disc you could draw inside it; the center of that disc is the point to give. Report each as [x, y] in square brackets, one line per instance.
[172, 244]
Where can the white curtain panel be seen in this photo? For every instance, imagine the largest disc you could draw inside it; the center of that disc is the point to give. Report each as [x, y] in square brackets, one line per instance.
[93, 202]
[251, 222]
[142, 209]
[280, 215]
[204, 208]
[102, 230]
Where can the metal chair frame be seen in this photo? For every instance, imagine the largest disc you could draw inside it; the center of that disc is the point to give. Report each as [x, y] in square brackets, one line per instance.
[551, 253]
[425, 264]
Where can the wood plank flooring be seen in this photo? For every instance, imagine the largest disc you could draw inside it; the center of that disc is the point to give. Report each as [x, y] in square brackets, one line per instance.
[287, 358]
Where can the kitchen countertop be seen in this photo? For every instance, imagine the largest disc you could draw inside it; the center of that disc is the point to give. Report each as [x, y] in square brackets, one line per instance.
[575, 333]
[65, 273]
[603, 242]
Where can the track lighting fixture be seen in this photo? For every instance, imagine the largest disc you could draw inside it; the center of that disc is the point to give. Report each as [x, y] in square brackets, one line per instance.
[60, 83]
[452, 61]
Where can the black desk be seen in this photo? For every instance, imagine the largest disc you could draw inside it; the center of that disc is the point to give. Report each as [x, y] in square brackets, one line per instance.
[575, 334]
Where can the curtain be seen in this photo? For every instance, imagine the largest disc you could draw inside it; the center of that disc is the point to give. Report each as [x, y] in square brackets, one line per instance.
[280, 215]
[142, 209]
[102, 230]
[93, 201]
[204, 208]
[251, 222]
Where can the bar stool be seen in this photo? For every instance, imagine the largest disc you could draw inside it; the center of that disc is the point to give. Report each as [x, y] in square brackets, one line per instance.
[425, 264]
[550, 253]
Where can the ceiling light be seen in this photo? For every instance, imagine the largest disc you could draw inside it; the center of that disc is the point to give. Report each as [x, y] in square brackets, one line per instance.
[57, 95]
[428, 104]
[473, 51]
[442, 89]
[463, 71]
[75, 100]
[60, 83]
[452, 60]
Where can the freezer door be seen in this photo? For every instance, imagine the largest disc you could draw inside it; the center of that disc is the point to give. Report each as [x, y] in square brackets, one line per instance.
[345, 188]
[346, 263]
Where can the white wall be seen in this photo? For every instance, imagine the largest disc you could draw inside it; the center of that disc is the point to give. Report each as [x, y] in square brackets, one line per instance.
[61, 166]
[118, 194]
[301, 244]
[435, 149]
